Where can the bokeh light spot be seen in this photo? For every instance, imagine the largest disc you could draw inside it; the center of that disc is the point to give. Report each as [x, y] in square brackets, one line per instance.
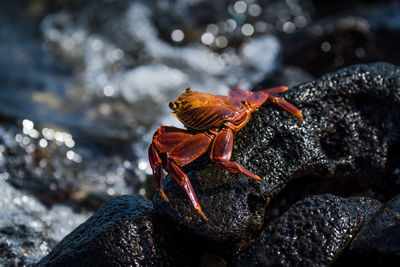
[221, 41]
[177, 35]
[247, 29]
[240, 7]
[288, 27]
[212, 28]
[43, 143]
[326, 47]
[207, 38]
[255, 10]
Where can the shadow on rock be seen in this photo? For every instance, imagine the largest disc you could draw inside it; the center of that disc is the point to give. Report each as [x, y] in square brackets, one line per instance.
[377, 243]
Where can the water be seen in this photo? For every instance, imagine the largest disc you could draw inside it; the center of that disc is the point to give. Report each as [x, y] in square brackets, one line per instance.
[28, 229]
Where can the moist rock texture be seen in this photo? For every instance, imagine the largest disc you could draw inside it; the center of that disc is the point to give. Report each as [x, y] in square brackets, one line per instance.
[118, 234]
[349, 132]
[377, 243]
[313, 232]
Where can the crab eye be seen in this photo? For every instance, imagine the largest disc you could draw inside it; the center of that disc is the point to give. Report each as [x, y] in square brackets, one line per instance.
[173, 106]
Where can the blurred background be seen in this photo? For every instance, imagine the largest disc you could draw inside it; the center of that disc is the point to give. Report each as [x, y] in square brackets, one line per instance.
[84, 84]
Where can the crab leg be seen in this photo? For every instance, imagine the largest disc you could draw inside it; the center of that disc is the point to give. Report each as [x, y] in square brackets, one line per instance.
[221, 153]
[239, 93]
[283, 103]
[274, 90]
[287, 106]
[164, 139]
[182, 179]
[165, 142]
[184, 153]
[156, 166]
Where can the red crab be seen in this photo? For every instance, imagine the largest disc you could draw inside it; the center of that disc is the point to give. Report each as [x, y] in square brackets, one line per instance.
[211, 121]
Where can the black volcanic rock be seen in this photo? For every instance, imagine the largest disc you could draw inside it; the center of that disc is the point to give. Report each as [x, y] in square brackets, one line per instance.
[313, 232]
[350, 126]
[378, 242]
[120, 233]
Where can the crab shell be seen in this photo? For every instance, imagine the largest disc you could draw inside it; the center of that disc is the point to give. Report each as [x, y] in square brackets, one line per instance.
[202, 111]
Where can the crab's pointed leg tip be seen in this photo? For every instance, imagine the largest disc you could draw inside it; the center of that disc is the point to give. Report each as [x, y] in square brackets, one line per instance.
[163, 195]
[258, 178]
[203, 216]
[299, 116]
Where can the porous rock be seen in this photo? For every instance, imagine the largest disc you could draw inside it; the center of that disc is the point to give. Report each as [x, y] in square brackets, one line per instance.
[313, 232]
[120, 233]
[350, 126]
[378, 242]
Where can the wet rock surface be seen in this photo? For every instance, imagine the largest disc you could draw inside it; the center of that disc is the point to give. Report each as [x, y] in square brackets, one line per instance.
[119, 234]
[230, 225]
[349, 127]
[377, 243]
[313, 232]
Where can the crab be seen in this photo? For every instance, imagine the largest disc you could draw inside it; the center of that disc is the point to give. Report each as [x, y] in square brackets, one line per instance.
[211, 122]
